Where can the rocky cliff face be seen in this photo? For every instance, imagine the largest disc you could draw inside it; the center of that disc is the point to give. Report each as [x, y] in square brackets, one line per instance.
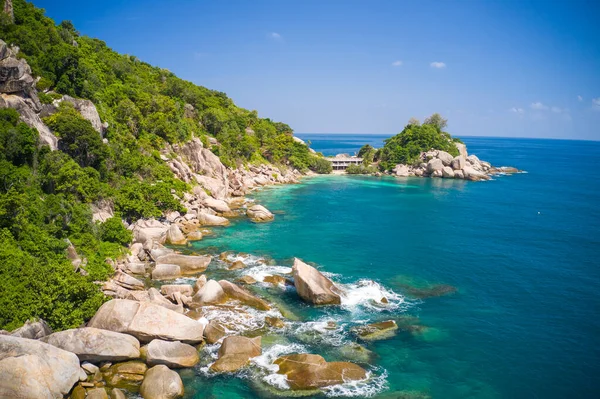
[17, 91]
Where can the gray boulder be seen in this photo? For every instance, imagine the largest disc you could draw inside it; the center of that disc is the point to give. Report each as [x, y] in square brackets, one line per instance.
[434, 164]
[166, 271]
[31, 369]
[171, 354]
[458, 162]
[445, 158]
[189, 264]
[447, 172]
[33, 329]
[147, 321]
[161, 383]
[210, 293]
[95, 345]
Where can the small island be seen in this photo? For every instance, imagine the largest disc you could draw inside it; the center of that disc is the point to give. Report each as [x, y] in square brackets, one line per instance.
[421, 150]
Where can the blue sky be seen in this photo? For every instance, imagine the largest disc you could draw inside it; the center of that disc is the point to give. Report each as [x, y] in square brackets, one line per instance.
[493, 68]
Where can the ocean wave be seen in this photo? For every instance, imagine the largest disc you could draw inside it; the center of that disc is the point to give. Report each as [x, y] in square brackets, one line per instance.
[238, 319]
[370, 295]
[261, 271]
[265, 363]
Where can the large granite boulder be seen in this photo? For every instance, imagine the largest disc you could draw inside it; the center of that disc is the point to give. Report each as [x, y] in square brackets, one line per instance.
[213, 332]
[462, 149]
[174, 236]
[32, 329]
[235, 352]
[236, 292]
[147, 321]
[401, 170]
[212, 220]
[95, 345]
[29, 115]
[189, 264]
[157, 298]
[161, 383]
[171, 354]
[31, 369]
[149, 229]
[215, 204]
[258, 213]
[312, 286]
[210, 293]
[445, 158]
[87, 110]
[447, 172]
[434, 165]
[166, 271]
[306, 371]
[184, 289]
[126, 281]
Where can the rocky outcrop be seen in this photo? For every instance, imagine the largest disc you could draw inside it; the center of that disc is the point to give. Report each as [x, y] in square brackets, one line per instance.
[32, 369]
[147, 321]
[436, 163]
[235, 352]
[87, 109]
[170, 354]
[30, 116]
[174, 236]
[128, 375]
[161, 383]
[307, 371]
[149, 229]
[95, 345]
[207, 219]
[166, 271]
[312, 286]
[258, 213]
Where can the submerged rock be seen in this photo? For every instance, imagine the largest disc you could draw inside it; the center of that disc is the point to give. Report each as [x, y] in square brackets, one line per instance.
[312, 286]
[428, 292]
[235, 352]
[307, 371]
[162, 383]
[96, 345]
[376, 331]
[31, 369]
[235, 292]
[258, 213]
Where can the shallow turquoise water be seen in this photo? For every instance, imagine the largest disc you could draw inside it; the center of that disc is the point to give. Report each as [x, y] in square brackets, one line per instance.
[521, 250]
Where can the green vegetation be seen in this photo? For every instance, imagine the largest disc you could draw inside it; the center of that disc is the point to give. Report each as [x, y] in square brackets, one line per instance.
[361, 170]
[45, 195]
[405, 147]
[367, 153]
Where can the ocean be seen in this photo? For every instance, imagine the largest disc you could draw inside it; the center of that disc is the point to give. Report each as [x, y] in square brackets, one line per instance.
[520, 251]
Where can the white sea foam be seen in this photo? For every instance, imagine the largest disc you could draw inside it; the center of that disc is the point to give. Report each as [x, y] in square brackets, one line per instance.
[328, 331]
[366, 388]
[261, 271]
[369, 294]
[244, 318]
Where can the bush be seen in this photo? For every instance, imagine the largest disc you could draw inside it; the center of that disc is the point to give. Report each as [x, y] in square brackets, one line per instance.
[114, 231]
[320, 165]
[360, 170]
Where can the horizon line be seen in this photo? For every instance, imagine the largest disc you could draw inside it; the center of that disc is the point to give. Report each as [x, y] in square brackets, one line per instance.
[465, 135]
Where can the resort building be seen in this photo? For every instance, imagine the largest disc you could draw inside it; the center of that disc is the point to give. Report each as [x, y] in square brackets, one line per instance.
[342, 161]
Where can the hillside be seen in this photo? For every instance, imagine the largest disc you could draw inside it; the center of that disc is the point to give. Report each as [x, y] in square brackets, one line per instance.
[107, 138]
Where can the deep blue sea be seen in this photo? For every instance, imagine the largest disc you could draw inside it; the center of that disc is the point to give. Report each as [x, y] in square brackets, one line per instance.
[522, 251]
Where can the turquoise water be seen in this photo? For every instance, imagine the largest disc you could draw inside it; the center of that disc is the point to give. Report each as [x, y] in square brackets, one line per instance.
[522, 252]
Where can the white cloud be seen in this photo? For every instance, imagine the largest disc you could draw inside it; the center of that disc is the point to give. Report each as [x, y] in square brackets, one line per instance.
[518, 111]
[557, 110]
[438, 65]
[275, 36]
[580, 98]
[397, 63]
[596, 103]
[539, 106]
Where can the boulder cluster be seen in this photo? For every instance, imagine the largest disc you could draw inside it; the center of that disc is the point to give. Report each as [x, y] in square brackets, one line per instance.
[436, 163]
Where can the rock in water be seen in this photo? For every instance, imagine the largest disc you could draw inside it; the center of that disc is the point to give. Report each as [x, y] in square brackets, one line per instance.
[171, 354]
[237, 292]
[259, 213]
[161, 383]
[312, 286]
[32, 369]
[213, 332]
[445, 158]
[174, 236]
[306, 371]
[434, 165]
[95, 345]
[235, 352]
[210, 294]
[147, 321]
[376, 331]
